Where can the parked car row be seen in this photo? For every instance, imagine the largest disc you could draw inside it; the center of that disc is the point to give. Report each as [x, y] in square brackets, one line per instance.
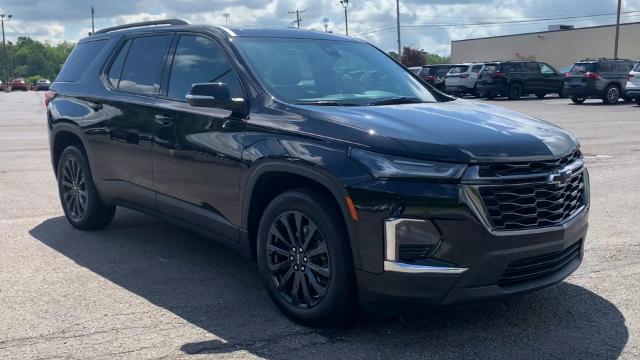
[606, 79]
[22, 85]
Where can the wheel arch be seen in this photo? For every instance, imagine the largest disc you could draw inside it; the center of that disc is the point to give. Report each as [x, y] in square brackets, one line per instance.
[296, 175]
[64, 134]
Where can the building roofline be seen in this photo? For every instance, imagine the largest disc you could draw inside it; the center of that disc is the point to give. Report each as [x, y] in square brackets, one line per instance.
[547, 32]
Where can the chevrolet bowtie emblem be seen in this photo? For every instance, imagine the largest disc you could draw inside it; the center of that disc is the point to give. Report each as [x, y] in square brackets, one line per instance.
[561, 178]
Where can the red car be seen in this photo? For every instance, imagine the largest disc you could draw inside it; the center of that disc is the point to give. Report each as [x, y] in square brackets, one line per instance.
[19, 84]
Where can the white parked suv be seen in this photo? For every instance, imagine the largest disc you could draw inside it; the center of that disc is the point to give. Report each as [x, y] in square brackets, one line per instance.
[632, 89]
[461, 79]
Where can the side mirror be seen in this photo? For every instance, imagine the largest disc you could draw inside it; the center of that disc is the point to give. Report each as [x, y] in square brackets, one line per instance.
[214, 95]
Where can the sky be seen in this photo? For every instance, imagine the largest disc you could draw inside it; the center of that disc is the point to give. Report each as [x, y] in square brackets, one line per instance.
[427, 24]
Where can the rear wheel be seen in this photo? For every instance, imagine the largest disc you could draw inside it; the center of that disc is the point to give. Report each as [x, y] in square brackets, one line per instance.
[627, 99]
[638, 100]
[304, 258]
[515, 91]
[611, 95]
[577, 100]
[541, 95]
[561, 93]
[490, 94]
[80, 201]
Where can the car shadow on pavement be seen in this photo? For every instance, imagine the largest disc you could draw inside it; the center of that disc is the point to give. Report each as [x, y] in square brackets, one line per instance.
[213, 288]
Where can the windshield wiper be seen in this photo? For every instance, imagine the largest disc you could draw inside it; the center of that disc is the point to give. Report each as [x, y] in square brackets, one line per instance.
[397, 100]
[327, 103]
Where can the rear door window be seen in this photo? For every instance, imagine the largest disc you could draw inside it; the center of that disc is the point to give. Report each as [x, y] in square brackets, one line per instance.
[80, 59]
[511, 67]
[606, 66]
[532, 67]
[143, 66]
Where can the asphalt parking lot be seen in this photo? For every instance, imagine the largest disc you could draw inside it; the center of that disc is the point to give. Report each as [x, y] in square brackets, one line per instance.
[143, 289]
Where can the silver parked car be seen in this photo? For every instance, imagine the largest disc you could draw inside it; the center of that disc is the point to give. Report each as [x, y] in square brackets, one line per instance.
[461, 79]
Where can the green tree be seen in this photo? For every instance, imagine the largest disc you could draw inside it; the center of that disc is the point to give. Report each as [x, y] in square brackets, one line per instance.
[32, 58]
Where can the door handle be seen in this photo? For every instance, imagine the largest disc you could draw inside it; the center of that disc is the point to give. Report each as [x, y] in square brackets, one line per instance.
[163, 120]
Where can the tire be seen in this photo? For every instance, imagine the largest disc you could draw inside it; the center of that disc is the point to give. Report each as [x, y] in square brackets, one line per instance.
[627, 99]
[490, 95]
[611, 95]
[332, 300]
[577, 100]
[514, 92]
[638, 100]
[78, 196]
[541, 95]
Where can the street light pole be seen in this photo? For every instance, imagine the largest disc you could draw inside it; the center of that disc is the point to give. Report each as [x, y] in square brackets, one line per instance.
[615, 52]
[226, 18]
[4, 47]
[93, 23]
[345, 3]
[398, 26]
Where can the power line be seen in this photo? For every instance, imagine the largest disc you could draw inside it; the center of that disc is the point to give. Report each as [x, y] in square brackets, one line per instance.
[485, 23]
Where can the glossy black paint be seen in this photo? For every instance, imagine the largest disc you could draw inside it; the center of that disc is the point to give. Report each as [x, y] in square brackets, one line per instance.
[201, 167]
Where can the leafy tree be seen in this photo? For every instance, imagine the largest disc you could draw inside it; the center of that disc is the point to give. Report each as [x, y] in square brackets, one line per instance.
[413, 57]
[31, 58]
[437, 59]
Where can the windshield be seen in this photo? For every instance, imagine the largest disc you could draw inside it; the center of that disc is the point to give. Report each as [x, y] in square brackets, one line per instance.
[307, 71]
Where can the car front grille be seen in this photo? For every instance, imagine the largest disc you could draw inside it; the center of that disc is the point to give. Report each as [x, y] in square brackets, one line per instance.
[515, 196]
[533, 268]
[537, 205]
[526, 167]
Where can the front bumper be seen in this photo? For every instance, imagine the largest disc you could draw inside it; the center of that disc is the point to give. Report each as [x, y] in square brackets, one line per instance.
[470, 261]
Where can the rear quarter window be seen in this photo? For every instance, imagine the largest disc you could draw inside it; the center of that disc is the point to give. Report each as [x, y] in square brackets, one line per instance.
[81, 58]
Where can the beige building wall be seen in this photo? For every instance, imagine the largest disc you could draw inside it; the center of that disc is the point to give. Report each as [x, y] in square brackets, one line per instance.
[557, 48]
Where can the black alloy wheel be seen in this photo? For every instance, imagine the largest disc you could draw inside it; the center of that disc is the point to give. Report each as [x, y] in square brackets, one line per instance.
[74, 188]
[304, 258]
[578, 100]
[78, 195]
[298, 259]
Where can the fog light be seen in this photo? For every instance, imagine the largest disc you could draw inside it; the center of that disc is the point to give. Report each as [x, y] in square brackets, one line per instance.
[408, 240]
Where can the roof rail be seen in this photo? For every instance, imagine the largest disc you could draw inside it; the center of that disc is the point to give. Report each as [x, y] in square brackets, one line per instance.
[141, 24]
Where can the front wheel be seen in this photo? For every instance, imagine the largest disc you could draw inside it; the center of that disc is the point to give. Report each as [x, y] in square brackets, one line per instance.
[577, 100]
[305, 260]
[80, 201]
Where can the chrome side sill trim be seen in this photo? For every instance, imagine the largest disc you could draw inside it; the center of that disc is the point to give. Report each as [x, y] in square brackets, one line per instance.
[420, 269]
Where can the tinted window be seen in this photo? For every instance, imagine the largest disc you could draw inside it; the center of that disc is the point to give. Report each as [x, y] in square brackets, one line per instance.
[116, 67]
[476, 68]
[80, 59]
[143, 66]
[532, 67]
[624, 67]
[637, 67]
[546, 69]
[200, 60]
[510, 67]
[606, 66]
[581, 68]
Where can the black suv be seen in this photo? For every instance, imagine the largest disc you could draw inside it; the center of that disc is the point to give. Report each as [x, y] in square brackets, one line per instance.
[598, 78]
[435, 75]
[348, 179]
[515, 79]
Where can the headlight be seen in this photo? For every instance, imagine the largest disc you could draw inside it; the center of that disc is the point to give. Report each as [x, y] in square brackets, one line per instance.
[388, 166]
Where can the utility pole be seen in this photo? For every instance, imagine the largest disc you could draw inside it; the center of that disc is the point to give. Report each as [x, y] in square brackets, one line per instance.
[226, 18]
[325, 23]
[615, 52]
[298, 18]
[93, 23]
[345, 3]
[398, 26]
[4, 48]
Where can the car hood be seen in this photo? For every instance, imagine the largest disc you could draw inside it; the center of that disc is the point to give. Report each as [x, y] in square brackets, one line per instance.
[460, 130]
